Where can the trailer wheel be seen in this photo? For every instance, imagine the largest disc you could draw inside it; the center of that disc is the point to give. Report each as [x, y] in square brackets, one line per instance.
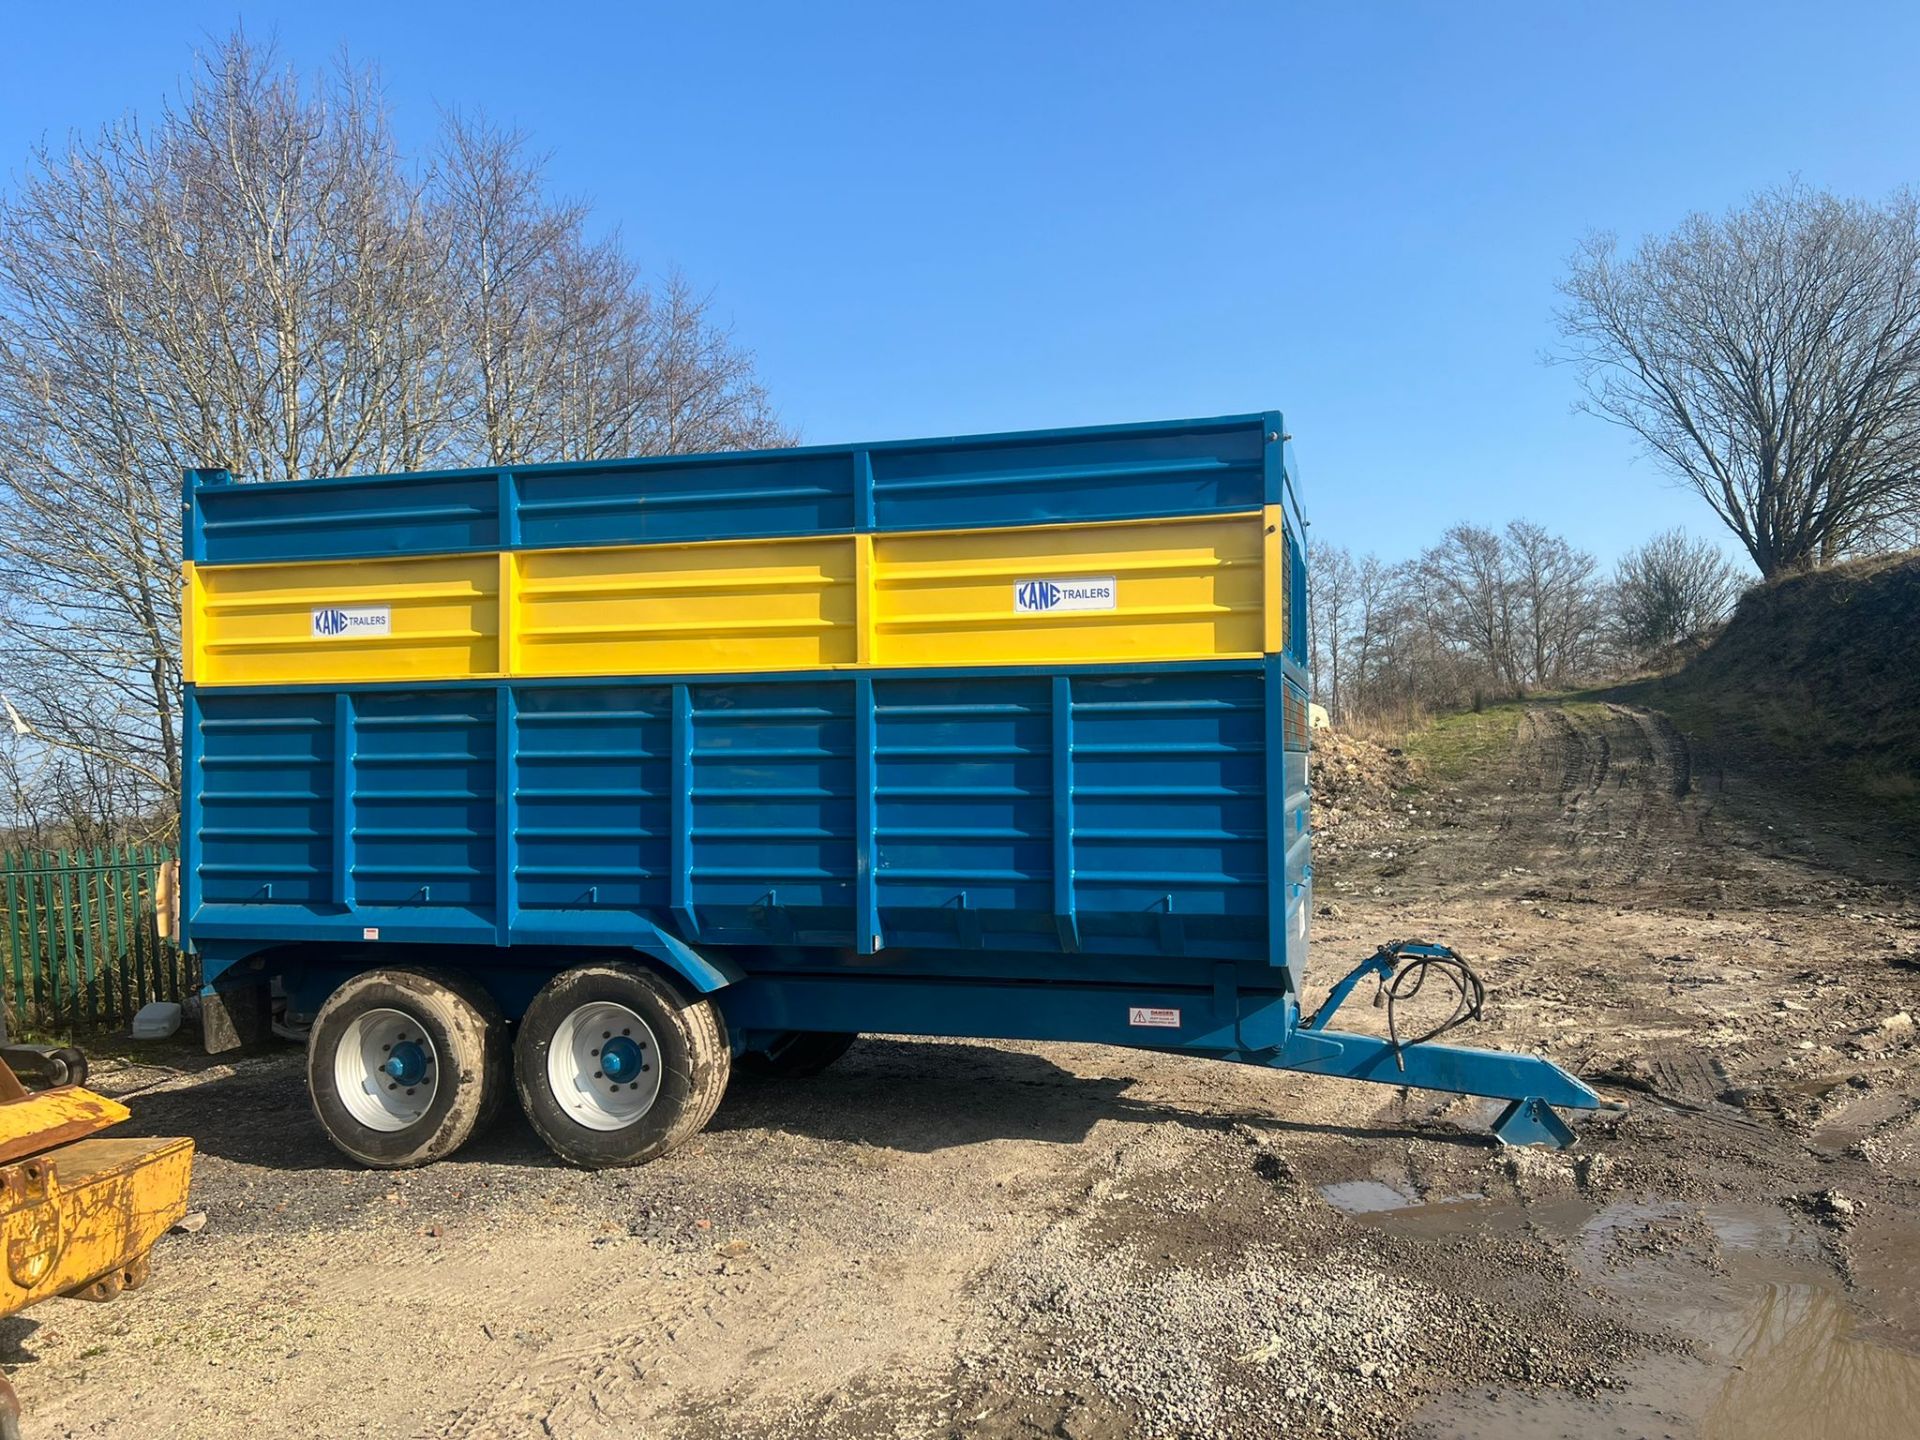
[615, 1066]
[405, 1066]
[797, 1054]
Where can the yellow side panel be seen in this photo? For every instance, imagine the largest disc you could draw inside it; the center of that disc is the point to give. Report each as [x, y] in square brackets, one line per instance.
[1193, 588]
[1273, 568]
[1185, 589]
[681, 609]
[338, 621]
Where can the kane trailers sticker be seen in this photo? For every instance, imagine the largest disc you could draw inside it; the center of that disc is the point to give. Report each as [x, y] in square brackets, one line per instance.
[1037, 597]
[344, 622]
[1153, 1018]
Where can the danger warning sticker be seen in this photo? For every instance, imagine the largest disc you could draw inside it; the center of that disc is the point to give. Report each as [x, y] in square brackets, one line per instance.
[1157, 1019]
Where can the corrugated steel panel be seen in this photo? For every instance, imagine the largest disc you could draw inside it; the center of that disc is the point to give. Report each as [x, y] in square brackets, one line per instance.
[1185, 467]
[264, 785]
[1174, 589]
[338, 519]
[638, 502]
[679, 609]
[1111, 474]
[1112, 810]
[1179, 588]
[344, 621]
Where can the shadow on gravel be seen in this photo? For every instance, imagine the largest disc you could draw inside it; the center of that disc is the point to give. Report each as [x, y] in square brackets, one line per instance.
[260, 1115]
[920, 1097]
[911, 1096]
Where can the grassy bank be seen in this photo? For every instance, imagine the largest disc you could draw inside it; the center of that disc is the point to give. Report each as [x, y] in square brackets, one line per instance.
[1814, 686]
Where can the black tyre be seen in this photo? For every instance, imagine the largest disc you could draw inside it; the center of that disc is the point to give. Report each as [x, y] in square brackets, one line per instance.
[405, 1066]
[72, 1070]
[797, 1054]
[616, 1066]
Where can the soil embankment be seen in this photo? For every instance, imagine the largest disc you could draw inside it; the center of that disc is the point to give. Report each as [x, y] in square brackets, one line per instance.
[1813, 690]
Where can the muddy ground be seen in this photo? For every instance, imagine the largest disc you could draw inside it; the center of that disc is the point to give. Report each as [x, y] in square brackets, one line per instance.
[1002, 1240]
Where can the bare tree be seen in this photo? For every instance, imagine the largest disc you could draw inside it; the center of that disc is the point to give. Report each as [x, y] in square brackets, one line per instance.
[1373, 595]
[1522, 605]
[260, 279]
[1558, 605]
[566, 353]
[1470, 598]
[1331, 590]
[1770, 358]
[1672, 589]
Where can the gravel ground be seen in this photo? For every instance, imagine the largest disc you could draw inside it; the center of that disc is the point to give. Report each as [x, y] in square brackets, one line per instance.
[987, 1239]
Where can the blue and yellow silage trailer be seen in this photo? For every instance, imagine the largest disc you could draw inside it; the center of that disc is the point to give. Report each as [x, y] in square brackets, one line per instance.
[692, 761]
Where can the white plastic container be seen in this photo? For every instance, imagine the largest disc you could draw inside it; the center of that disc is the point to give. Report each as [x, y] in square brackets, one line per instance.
[156, 1021]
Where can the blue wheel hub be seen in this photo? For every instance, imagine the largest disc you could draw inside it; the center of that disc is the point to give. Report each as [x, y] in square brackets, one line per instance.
[620, 1059]
[406, 1063]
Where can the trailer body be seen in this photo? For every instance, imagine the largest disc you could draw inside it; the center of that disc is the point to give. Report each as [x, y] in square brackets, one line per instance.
[998, 735]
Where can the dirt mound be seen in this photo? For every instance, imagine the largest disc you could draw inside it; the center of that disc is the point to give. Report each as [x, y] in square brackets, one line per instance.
[1813, 681]
[1356, 785]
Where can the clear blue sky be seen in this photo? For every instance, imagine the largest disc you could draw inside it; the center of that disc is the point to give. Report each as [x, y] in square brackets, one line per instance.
[942, 218]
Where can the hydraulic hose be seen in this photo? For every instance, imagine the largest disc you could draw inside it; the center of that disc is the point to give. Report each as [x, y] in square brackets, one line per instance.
[1412, 966]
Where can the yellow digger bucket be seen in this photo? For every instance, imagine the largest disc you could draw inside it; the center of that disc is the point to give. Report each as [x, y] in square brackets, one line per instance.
[78, 1214]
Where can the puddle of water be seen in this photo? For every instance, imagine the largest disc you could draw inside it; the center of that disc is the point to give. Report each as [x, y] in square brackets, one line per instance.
[1367, 1197]
[1800, 1372]
[1885, 1253]
[1818, 1086]
[1634, 1411]
[1784, 1354]
[1756, 1227]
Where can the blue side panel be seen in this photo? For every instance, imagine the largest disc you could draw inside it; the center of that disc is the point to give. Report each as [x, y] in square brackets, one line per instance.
[333, 519]
[265, 799]
[1135, 821]
[1117, 472]
[1024, 480]
[595, 810]
[1169, 795]
[963, 817]
[636, 503]
[772, 791]
[423, 799]
[1023, 818]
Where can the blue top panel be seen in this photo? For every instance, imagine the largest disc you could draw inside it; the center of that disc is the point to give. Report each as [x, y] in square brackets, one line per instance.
[1117, 472]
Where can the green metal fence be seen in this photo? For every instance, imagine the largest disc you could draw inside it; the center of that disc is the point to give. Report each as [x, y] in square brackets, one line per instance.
[81, 944]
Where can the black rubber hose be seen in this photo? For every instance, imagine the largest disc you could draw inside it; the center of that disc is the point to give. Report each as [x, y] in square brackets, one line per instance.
[1470, 995]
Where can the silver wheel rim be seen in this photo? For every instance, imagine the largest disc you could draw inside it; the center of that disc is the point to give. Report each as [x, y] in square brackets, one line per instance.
[603, 1066]
[386, 1070]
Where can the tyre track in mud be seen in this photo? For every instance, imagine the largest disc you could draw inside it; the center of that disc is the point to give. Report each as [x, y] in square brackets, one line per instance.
[1596, 800]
